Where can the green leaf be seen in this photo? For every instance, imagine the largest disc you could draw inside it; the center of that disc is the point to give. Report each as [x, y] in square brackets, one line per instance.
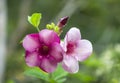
[59, 75]
[61, 80]
[35, 19]
[92, 61]
[38, 73]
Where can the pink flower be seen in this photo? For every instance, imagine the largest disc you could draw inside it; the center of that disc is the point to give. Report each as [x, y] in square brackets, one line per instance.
[76, 49]
[43, 50]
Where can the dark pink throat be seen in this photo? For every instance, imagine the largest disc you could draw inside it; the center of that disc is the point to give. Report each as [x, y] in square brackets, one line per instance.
[44, 50]
[70, 48]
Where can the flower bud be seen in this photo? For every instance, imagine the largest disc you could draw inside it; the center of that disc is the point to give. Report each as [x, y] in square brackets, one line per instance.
[62, 22]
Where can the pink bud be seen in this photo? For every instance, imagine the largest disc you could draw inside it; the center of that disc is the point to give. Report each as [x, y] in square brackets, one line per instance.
[62, 21]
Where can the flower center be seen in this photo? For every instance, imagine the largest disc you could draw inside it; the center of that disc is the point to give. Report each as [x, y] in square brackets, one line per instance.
[70, 48]
[44, 50]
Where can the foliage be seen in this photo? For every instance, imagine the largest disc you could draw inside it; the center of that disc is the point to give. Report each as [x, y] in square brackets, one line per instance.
[59, 76]
[35, 19]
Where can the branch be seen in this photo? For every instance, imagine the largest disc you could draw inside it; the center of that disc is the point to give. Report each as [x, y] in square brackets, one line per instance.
[3, 21]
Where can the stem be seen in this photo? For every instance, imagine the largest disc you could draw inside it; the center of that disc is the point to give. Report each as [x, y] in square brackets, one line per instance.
[50, 78]
[38, 29]
[50, 75]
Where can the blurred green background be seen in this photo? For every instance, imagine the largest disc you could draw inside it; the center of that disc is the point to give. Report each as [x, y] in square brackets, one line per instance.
[98, 21]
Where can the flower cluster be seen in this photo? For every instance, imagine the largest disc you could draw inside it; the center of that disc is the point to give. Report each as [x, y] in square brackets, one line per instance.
[45, 49]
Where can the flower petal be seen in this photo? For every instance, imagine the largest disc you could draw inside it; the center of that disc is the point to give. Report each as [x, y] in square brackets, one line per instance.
[48, 65]
[31, 42]
[32, 59]
[73, 35]
[48, 37]
[83, 50]
[70, 64]
[62, 43]
[57, 52]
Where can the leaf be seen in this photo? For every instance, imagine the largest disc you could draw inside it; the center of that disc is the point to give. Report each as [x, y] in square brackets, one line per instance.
[92, 61]
[61, 80]
[82, 76]
[59, 75]
[35, 19]
[38, 73]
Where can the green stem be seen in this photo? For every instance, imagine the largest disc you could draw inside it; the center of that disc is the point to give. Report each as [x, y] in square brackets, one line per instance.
[50, 75]
[38, 29]
[50, 79]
